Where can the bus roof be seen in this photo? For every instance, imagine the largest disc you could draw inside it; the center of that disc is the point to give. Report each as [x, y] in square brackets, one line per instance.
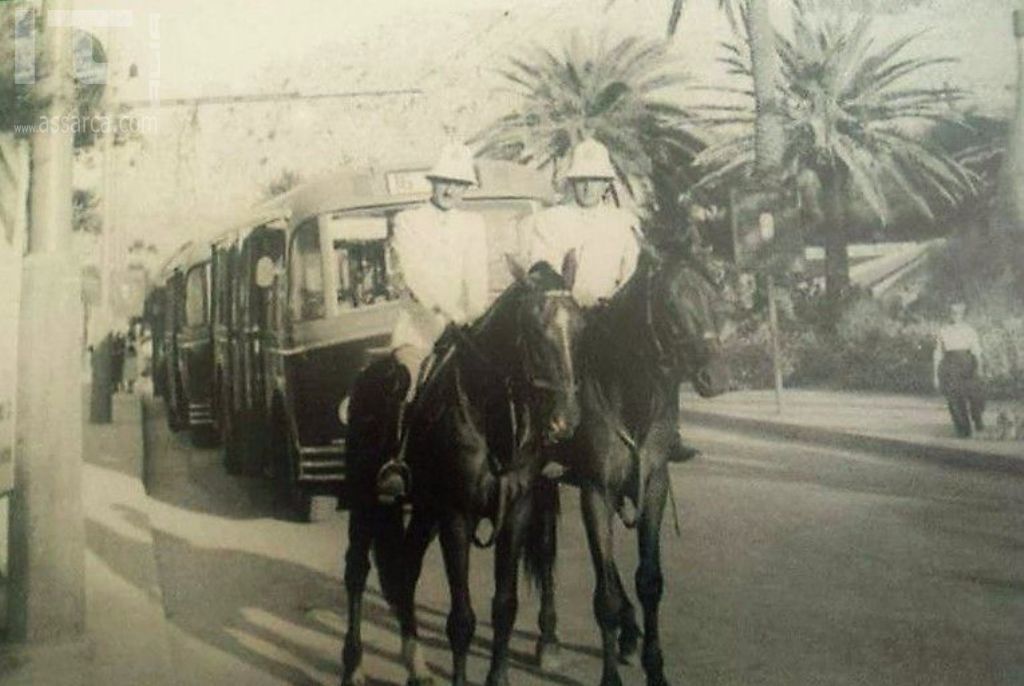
[355, 189]
[188, 255]
[402, 185]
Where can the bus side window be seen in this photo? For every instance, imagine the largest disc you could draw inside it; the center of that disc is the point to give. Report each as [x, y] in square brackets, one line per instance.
[306, 297]
[265, 303]
[196, 309]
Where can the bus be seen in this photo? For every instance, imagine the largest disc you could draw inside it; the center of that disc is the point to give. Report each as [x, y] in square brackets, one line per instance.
[240, 330]
[187, 341]
[316, 301]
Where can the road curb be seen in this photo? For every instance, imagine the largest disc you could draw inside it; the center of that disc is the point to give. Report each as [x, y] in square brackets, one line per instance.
[960, 458]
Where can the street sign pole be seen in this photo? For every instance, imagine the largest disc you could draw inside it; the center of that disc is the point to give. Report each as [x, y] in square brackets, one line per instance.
[747, 241]
[773, 325]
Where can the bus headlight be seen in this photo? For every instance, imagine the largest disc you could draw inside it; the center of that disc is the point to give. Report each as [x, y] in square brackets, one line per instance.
[343, 411]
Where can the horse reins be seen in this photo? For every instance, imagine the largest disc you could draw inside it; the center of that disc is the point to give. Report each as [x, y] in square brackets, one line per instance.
[509, 384]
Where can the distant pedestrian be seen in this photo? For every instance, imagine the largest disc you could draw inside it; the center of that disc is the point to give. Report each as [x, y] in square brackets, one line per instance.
[117, 360]
[957, 371]
[131, 362]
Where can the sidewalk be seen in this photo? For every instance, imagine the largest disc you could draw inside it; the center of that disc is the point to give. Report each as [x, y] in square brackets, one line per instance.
[126, 640]
[896, 425]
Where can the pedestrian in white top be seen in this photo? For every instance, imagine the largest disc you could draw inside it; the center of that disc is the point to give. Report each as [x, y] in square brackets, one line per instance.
[440, 259]
[602, 239]
[956, 371]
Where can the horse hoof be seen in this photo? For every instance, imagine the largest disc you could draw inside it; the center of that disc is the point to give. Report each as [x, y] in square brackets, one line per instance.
[611, 680]
[494, 680]
[549, 656]
[420, 681]
[356, 678]
[659, 680]
[629, 644]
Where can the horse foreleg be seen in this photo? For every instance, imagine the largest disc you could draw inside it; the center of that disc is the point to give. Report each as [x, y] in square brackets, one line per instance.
[541, 548]
[357, 568]
[549, 648]
[629, 630]
[649, 581]
[414, 547]
[455, 545]
[597, 518]
[505, 605]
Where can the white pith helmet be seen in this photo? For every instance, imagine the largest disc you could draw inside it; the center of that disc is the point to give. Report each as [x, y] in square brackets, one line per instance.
[455, 164]
[590, 160]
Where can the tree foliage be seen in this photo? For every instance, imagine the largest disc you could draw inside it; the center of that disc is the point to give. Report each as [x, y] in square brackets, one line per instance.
[854, 114]
[619, 94]
[85, 217]
[675, 12]
[285, 181]
[21, 105]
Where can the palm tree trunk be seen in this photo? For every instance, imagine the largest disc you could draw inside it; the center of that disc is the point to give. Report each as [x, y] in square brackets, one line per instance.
[837, 259]
[1015, 168]
[768, 127]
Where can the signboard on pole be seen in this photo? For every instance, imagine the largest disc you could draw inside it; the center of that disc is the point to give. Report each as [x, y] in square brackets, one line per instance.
[14, 169]
[766, 228]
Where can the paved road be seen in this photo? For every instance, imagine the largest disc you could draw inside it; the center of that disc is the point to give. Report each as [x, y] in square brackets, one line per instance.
[796, 565]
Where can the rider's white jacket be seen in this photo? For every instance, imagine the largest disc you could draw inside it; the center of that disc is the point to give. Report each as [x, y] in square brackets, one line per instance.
[603, 237]
[441, 256]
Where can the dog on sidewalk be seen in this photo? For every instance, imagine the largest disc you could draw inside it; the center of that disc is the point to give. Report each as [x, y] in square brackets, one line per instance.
[1009, 426]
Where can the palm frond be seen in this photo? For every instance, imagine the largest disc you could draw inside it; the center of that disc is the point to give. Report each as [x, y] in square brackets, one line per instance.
[854, 109]
[618, 93]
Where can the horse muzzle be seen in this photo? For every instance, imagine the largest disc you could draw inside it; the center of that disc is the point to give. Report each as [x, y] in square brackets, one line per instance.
[712, 379]
[561, 426]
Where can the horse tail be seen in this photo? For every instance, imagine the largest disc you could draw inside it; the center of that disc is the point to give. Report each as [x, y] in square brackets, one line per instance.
[541, 545]
[373, 415]
[388, 535]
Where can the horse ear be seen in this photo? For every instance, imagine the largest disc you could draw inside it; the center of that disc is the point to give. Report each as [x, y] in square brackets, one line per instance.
[570, 265]
[517, 270]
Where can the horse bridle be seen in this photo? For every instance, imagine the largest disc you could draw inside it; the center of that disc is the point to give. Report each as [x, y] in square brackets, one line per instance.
[509, 384]
[665, 359]
[508, 380]
[546, 384]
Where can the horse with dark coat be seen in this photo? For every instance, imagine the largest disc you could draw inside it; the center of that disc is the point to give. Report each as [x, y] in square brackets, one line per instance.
[473, 447]
[618, 456]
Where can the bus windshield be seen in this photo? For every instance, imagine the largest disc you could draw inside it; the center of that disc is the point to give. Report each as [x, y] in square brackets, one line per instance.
[358, 265]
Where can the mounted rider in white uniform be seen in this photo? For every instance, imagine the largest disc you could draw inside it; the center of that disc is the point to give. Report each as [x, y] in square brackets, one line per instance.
[440, 252]
[602, 238]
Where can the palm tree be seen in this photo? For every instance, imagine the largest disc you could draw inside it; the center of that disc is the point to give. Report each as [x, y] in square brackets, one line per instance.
[853, 113]
[618, 94]
[760, 37]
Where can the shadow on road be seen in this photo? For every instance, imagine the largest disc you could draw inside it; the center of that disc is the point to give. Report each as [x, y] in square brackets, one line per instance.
[238, 602]
[226, 597]
[194, 478]
[103, 444]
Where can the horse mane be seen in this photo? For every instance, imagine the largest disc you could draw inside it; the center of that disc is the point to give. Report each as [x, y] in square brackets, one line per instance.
[621, 320]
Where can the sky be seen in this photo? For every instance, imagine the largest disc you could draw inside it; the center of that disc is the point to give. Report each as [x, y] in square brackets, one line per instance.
[209, 47]
[199, 165]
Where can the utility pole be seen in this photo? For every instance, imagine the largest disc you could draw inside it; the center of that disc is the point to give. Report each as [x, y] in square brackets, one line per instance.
[47, 559]
[101, 390]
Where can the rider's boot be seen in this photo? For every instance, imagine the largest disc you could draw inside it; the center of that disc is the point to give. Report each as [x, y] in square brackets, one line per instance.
[681, 451]
[393, 478]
